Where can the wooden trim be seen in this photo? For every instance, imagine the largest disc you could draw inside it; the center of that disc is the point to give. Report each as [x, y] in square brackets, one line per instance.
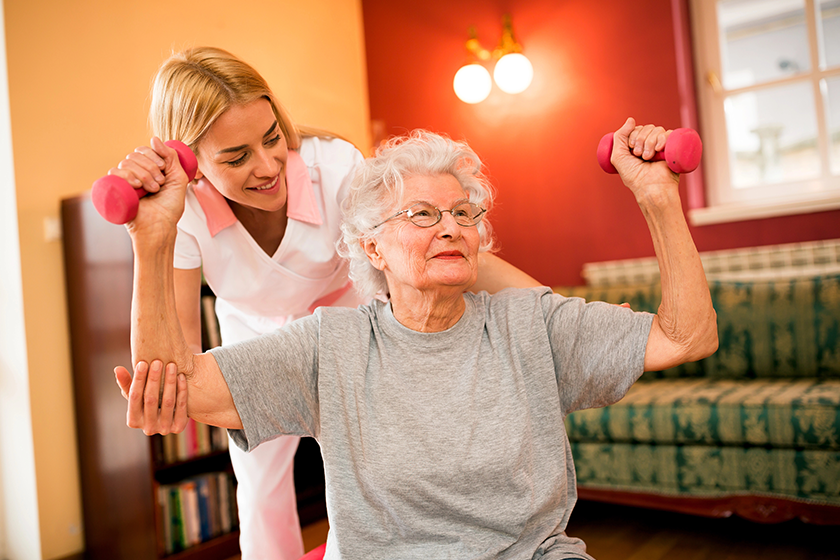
[739, 212]
[761, 509]
[220, 548]
[694, 183]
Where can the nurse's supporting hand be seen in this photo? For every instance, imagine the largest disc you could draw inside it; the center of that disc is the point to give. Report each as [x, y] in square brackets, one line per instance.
[157, 397]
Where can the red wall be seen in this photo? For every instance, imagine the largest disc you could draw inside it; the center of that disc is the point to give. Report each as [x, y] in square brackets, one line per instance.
[595, 63]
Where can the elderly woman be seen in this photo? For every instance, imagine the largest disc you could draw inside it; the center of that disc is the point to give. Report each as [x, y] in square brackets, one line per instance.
[439, 412]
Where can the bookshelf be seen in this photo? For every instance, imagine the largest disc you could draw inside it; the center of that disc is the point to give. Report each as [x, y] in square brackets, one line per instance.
[122, 471]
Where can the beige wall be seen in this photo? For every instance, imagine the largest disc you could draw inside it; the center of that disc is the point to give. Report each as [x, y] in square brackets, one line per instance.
[79, 74]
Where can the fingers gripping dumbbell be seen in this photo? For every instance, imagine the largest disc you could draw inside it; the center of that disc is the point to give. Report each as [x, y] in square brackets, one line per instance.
[117, 201]
[682, 151]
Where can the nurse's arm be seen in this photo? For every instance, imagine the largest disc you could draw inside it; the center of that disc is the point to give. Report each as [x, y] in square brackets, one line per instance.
[156, 335]
[495, 274]
[188, 304]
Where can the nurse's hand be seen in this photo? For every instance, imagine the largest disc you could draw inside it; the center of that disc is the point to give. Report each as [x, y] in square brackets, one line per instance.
[157, 398]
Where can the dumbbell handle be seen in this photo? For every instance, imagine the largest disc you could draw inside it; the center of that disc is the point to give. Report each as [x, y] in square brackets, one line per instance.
[682, 151]
[117, 201]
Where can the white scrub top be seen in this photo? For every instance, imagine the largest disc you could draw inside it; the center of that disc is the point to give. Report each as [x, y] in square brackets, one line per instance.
[256, 292]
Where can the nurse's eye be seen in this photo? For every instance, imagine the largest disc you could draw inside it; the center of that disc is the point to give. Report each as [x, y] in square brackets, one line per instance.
[238, 161]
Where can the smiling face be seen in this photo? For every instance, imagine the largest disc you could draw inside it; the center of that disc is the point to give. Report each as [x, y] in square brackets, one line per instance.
[441, 258]
[243, 154]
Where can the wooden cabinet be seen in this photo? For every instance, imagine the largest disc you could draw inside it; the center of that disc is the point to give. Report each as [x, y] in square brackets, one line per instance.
[120, 467]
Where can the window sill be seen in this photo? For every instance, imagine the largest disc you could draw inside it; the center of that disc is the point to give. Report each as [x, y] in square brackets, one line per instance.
[739, 212]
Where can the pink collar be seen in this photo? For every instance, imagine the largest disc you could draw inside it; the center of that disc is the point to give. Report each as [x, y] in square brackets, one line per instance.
[300, 199]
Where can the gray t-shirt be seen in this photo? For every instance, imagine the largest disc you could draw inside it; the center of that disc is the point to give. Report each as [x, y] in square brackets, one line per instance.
[441, 445]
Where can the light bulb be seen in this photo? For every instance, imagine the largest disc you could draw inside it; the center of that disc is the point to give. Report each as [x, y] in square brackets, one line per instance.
[472, 83]
[513, 73]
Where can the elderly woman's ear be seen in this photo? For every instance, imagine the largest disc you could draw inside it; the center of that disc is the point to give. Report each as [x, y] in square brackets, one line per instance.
[369, 245]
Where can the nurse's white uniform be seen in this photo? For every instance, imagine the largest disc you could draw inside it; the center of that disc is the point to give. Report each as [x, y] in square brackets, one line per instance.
[257, 293]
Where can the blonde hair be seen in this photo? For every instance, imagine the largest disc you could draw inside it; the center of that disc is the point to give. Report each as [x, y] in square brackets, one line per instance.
[194, 87]
[379, 183]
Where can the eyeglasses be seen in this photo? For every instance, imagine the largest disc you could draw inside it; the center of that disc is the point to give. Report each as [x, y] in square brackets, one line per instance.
[425, 215]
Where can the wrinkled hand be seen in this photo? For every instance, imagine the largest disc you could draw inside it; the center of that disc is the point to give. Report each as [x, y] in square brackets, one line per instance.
[152, 408]
[142, 168]
[632, 145]
[158, 170]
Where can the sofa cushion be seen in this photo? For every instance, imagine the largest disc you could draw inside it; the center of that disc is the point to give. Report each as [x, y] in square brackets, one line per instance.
[779, 328]
[811, 475]
[767, 329]
[779, 413]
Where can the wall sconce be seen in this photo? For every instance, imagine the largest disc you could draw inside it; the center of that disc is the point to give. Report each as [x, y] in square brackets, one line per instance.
[512, 72]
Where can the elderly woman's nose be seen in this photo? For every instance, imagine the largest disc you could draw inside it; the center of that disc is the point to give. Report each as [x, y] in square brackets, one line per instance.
[448, 225]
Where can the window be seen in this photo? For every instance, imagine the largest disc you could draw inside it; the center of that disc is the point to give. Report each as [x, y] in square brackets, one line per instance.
[768, 76]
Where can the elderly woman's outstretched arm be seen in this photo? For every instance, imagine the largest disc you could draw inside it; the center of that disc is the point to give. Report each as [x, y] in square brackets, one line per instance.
[156, 336]
[685, 326]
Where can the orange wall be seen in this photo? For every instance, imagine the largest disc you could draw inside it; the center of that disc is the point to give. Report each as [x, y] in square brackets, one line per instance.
[79, 76]
[595, 64]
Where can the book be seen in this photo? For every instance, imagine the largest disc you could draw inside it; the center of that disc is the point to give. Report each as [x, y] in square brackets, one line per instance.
[204, 507]
[170, 448]
[195, 440]
[213, 486]
[202, 438]
[190, 440]
[165, 518]
[224, 503]
[179, 536]
[192, 523]
[180, 446]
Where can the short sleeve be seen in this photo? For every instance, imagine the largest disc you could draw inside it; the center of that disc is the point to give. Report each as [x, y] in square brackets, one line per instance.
[187, 251]
[598, 349]
[273, 379]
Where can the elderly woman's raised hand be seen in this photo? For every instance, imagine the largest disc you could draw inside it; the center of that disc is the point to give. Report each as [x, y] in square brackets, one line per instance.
[632, 146]
[154, 410]
[685, 326]
[157, 169]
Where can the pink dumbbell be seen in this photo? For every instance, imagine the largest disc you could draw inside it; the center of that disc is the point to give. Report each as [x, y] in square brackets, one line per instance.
[117, 201]
[682, 151]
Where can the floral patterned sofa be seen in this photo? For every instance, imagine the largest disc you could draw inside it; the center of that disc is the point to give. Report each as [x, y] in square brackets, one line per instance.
[752, 430]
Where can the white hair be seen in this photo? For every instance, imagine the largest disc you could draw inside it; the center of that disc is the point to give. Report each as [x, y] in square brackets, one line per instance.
[379, 184]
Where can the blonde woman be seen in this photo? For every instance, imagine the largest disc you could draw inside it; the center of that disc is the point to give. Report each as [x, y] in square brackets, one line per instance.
[260, 221]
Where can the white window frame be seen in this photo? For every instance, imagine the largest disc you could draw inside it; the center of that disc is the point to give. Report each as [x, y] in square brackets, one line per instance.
[724, 203]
